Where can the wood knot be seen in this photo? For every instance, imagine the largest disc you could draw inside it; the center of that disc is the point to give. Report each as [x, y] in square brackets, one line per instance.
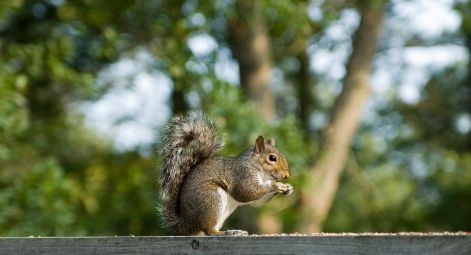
[195, 244]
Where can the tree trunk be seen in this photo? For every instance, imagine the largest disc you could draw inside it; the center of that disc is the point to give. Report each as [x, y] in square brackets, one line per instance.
[267, 223]
[304, 91]
[179, 103]
[250, 45]
[317, 200]
[468, 81]
[466, 30]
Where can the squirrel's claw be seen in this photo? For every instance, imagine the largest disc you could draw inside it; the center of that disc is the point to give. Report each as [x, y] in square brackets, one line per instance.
[289, 189]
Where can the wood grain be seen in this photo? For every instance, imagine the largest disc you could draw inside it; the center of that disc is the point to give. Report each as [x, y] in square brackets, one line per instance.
[458, 244]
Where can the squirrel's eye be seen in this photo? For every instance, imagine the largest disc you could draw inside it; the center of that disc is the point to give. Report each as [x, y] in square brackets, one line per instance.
[272, 158]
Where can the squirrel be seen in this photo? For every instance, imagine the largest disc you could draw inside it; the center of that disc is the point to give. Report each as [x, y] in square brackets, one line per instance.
[200, 189]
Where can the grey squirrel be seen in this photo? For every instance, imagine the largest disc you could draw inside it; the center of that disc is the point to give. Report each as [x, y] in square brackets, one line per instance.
[200, 189]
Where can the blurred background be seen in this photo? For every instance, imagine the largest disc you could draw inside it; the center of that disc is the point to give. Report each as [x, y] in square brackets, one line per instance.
[369, 101]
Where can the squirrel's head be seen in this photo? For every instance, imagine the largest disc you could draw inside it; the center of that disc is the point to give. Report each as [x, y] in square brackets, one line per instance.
[272, 161]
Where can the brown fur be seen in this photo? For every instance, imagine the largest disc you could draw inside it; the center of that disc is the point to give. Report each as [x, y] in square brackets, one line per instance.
[193, 175]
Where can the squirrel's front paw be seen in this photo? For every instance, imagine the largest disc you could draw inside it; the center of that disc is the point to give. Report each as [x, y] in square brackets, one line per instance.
[236, 233]
[286, 189]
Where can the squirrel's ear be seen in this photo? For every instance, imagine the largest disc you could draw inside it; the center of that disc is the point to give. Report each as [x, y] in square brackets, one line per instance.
[271, 142]
[260, 144]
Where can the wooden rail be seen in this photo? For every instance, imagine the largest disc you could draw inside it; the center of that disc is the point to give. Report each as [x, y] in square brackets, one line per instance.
[457, 244]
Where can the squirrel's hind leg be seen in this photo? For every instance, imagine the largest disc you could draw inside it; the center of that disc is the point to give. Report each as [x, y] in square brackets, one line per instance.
[226, 204]
[213, 232]
[236, 233]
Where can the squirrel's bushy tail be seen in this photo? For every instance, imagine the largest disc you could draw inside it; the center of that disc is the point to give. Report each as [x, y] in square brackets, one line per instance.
[186, 142]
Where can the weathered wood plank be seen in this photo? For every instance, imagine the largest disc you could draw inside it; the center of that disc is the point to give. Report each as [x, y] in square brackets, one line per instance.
[460, 244]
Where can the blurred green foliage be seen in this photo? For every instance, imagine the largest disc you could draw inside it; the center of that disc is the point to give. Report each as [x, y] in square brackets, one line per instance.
[59, 178]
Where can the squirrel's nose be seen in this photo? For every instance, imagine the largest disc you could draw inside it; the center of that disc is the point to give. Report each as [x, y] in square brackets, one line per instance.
[287, 175]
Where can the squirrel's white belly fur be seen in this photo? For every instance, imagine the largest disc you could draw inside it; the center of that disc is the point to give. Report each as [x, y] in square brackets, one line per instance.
[226, 207]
